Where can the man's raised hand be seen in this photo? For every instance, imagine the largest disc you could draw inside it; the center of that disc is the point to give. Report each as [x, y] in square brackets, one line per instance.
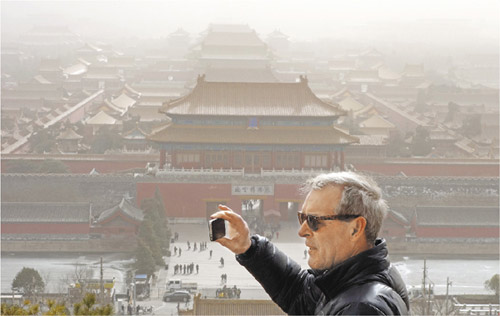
[238, 237]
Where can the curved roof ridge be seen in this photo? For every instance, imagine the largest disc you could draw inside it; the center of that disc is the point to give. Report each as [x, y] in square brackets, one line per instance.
[126, 208]
[252, 99]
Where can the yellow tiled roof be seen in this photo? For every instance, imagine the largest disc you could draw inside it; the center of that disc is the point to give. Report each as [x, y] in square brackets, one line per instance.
[252, 99]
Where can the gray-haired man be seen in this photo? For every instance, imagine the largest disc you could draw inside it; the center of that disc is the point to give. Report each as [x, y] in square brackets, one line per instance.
[350, 273]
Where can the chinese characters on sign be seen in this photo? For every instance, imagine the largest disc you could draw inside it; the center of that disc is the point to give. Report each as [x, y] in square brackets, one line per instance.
[259, 189]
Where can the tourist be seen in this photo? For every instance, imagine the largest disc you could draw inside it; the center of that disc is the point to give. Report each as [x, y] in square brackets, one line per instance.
[350, 273]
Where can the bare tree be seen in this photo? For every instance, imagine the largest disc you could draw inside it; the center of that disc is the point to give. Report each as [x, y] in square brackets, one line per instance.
[76, 282]
[46, 279]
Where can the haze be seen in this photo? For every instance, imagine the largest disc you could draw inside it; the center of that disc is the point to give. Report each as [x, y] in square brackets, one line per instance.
[443, 23]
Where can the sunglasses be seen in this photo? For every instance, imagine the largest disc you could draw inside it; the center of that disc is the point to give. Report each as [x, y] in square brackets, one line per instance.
[313, 221]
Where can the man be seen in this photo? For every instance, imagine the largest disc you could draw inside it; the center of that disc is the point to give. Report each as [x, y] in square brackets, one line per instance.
[350, 273]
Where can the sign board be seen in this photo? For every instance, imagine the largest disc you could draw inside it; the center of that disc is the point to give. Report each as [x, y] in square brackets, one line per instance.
[252, 189]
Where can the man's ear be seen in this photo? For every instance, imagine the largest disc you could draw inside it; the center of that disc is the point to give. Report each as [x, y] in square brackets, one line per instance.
[358, 226]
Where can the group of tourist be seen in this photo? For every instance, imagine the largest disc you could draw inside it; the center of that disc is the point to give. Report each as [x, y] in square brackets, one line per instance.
[186, 268]
[226, 292]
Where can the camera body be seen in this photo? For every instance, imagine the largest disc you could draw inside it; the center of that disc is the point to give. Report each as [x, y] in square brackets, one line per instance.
[216, 228]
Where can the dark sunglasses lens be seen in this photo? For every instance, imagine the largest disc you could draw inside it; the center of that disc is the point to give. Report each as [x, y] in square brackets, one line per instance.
[313, 223]
[302, 218]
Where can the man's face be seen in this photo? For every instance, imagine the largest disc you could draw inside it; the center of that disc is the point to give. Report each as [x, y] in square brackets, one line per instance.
[331, 243]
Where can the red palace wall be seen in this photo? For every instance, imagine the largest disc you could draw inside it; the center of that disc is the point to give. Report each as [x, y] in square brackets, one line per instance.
[190, 199]
[114, 230]
[430, 169]
[42, 228]
[457, 232]
[391, 229]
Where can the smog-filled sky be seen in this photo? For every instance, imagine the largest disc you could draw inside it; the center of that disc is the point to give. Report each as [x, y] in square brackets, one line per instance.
[426, 21]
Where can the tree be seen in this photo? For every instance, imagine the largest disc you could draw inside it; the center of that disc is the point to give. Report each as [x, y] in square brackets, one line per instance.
[144, 261]
[472, 125]
[147, 234]
[26, 309]
[106, 139]
[86, 307]
[452, 111]
[42, 141]
[493, 284]
[154, 210]
[56, 309]
[29, 281]
[396, 145]
[421, 143]
[81, 274]
[34, 309]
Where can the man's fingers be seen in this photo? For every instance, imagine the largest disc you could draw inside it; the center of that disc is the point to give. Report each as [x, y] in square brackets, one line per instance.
[229, 216]
[224, 241]
[223, 207]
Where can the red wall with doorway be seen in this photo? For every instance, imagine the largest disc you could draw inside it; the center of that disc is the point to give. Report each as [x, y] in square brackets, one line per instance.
[189, 199]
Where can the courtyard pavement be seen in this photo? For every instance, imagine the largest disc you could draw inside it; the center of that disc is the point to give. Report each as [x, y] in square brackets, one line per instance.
[210, 269]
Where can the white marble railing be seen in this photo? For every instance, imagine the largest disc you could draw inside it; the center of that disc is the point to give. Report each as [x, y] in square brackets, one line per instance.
[242, 172]
[201, 171]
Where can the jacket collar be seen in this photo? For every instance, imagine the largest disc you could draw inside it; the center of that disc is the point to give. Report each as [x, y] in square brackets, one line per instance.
[361, 268]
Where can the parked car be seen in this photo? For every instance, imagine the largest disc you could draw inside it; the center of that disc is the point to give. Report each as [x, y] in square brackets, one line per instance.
[177, 296]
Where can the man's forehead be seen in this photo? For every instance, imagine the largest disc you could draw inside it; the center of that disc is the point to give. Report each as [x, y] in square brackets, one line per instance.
[329, 190]
[323, 200]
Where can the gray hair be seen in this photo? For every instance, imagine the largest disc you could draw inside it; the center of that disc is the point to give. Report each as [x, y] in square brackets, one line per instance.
[360, 196]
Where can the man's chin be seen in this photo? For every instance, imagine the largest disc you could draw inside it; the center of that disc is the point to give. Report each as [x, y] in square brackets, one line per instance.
[313, 264]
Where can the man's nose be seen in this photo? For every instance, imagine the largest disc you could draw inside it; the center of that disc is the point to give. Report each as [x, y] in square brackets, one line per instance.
[304, 230]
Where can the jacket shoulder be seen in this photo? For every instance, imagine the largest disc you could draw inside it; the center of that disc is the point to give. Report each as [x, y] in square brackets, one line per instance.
[371, 298]
[360, 308]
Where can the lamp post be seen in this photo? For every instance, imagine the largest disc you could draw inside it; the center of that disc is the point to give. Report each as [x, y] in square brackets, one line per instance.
[448, 284]
[134, 298]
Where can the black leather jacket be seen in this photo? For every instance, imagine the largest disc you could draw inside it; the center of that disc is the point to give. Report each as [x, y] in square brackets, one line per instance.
[366, 284]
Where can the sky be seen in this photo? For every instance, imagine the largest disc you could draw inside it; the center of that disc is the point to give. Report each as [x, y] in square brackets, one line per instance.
[300, 20]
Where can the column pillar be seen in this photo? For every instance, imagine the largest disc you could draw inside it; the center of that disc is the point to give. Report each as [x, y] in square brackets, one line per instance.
[342, 160]
[163, 158]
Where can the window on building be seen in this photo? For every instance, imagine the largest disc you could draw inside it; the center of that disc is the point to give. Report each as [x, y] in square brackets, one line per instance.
[316, 161]
[266, 160]
[188, 157]
[288, 160]
[238, 160]
[253, 122]
[217, 160]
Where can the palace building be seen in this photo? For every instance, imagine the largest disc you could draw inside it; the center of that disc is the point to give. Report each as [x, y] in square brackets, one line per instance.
[252, 126]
